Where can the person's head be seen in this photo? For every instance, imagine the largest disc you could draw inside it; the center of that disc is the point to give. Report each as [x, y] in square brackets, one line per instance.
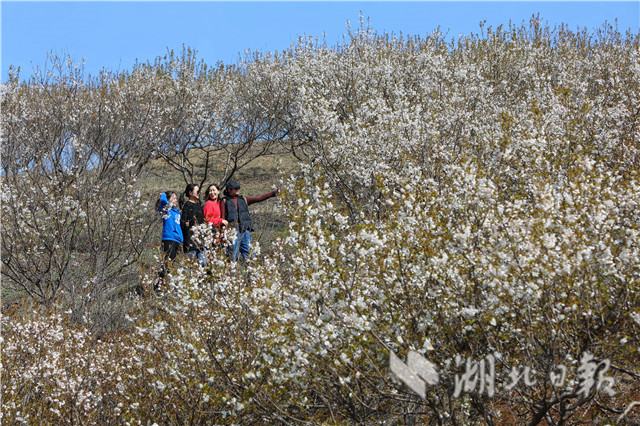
[232, 189]
[192, 192]
[172, 197]
[212, 193]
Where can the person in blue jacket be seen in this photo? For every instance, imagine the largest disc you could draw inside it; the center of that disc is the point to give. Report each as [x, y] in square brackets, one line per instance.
[171, 231]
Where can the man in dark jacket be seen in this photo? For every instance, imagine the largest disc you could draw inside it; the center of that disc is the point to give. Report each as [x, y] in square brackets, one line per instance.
[235, 210]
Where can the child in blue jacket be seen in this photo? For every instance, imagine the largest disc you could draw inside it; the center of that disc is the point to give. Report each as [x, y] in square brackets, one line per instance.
[171, 231]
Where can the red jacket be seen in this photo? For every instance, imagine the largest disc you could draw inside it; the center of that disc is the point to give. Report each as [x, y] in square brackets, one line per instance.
[212, 212]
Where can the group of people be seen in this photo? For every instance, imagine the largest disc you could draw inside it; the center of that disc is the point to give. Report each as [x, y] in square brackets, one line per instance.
[181, 214]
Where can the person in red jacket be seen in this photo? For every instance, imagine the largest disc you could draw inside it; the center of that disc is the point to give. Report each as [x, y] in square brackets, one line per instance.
[212, 207]
[212, 212]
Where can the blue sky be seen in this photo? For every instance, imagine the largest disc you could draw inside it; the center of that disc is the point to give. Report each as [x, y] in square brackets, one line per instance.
[113, 34]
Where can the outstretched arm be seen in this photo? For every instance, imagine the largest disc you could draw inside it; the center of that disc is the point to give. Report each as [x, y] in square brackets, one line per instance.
[251, 200]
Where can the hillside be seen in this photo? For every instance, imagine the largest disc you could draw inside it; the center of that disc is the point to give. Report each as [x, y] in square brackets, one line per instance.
[459, 244]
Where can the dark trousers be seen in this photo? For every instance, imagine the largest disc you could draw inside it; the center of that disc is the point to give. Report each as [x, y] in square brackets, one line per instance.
[170, 250]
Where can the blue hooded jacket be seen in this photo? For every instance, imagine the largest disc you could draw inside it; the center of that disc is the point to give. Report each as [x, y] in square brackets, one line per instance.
[171, 230]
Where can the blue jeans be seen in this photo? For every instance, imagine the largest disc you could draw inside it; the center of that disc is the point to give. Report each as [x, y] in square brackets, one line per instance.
[200, 255]
[241, 245]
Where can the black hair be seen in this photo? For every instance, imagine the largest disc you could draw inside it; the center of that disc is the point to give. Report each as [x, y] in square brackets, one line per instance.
[168, 194]
[206, 194]
[188, 190]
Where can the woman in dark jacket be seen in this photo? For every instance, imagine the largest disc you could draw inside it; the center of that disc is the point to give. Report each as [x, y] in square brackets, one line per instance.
[192, 215]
